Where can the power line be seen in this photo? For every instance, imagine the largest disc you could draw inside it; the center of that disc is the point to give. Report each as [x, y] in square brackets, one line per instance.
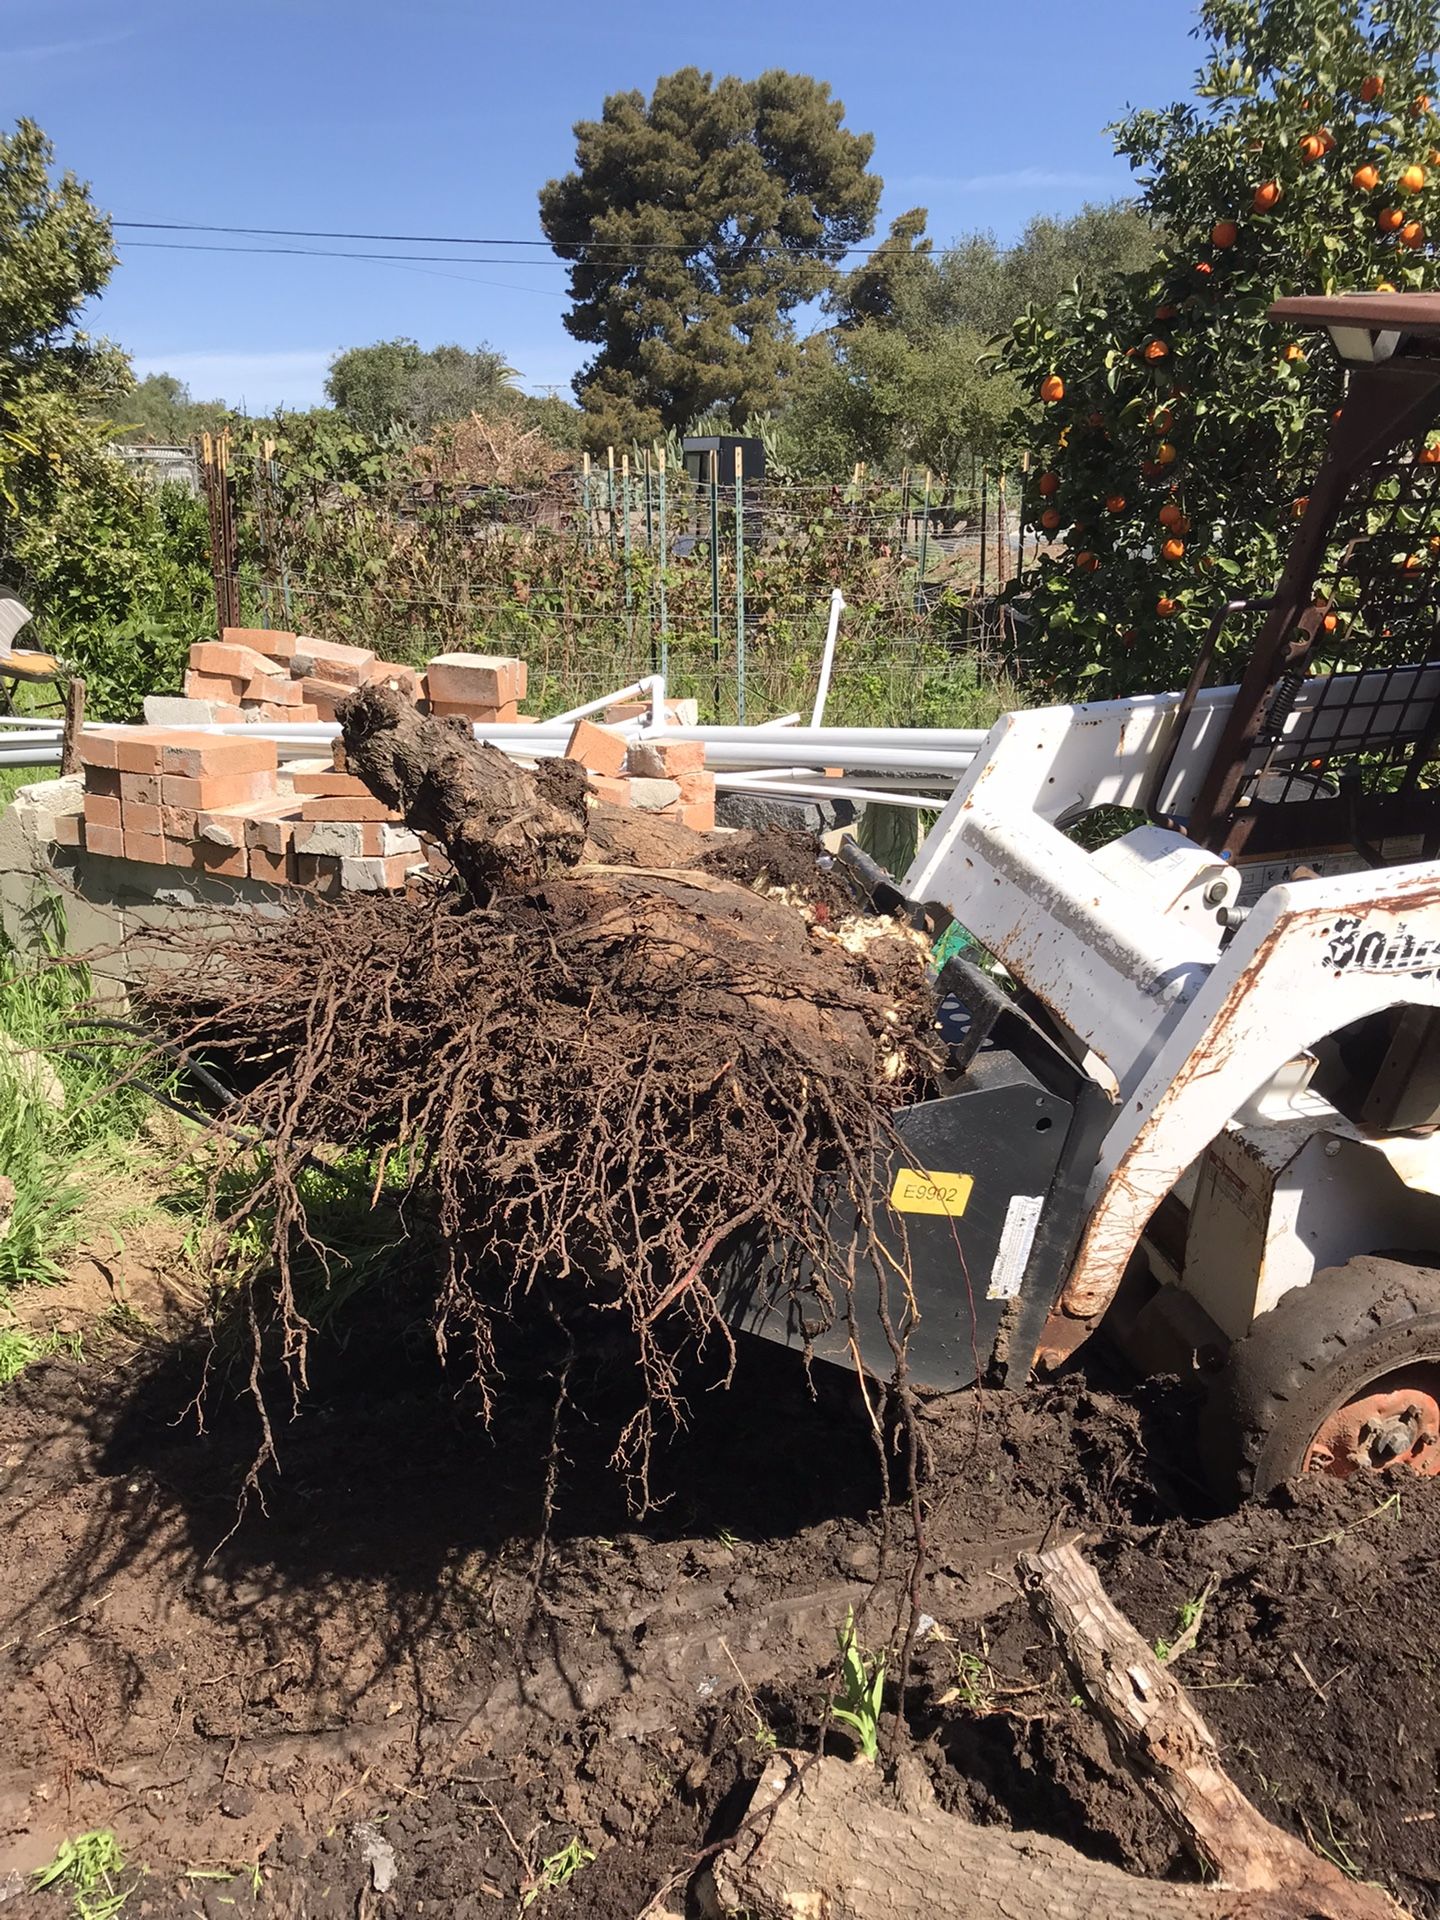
[429, 239]
[395, 259]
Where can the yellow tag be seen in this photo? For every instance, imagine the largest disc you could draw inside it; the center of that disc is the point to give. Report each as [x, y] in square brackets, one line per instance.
[930, 1192]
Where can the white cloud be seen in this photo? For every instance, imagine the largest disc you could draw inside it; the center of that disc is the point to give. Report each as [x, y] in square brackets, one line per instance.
[1019, 180]
[256, 382]
[55, 48]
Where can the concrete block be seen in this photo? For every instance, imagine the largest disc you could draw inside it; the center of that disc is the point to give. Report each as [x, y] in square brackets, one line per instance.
[343, 839]
[482, 679]
[374, 876]
[168, 710]
[654, 795]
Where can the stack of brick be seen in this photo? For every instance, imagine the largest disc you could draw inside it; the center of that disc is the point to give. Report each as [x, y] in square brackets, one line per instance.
[218, 804]
[257, 673]
[484, 688]
[678, 712]
[664, 777]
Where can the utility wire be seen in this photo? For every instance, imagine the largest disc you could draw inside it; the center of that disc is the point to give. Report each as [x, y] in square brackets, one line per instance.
[428, 239]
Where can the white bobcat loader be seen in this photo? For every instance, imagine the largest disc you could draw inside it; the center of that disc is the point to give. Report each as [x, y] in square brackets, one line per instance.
[1205, 1110]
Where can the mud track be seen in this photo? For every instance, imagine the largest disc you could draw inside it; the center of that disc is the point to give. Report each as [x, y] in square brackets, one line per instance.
[356, 1662]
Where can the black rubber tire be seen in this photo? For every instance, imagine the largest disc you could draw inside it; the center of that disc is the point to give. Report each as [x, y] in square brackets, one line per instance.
[1317, 1348]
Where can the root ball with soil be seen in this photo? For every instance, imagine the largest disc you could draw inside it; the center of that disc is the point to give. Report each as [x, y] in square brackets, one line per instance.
[601, 1079]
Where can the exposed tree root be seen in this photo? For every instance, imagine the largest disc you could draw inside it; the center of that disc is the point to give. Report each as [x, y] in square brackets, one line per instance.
[602, 1079]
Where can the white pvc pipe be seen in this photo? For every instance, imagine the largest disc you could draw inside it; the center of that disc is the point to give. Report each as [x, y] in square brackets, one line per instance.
[653, 686]
[833, 790]
[827, 658]
[948, 739]
[48, 756]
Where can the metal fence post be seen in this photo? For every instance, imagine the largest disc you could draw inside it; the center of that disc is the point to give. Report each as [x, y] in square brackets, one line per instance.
[715, 573]
[625, 488]
[664, 560]
[610, 495]
[739, 587]
[924, 544]
[585, 499]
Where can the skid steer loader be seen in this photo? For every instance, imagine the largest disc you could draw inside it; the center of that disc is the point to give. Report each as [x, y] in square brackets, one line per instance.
[1200, 1104]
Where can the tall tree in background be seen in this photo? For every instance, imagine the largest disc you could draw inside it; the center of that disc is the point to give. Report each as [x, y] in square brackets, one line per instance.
[696, 223]
[396, 383]
[55, 254]
[1171, 426]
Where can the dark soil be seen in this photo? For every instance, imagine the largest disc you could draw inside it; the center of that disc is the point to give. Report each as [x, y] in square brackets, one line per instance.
[384, 1659]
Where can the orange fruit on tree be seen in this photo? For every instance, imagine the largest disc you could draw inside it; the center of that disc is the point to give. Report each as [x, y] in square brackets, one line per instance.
[1420, 105]
[1173, 549]
[1203, 266]
[1430, 456]
[1224, 233]
[1412, 234]
[1115, 503]
[1328, 138]
[1165, 606]
[1381, 286]
[1149, 469]
[1390, 219]
[1165, 454]
[1266, 196]
[1371, 88]
[1170, 515]
[1166, 313]
[1087, 562]
[1047, 484]
[1156, 350]
[1050, 519]
[1095, 419]
[1412, 179]
[1366, 178]
[1297, 507]
[1052, 388]
[1312, 148]
[1410, 563]
[1292, 352]
[1330, 623]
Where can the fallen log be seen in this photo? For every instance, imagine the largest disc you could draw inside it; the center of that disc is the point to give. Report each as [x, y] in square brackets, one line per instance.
[834, 1838]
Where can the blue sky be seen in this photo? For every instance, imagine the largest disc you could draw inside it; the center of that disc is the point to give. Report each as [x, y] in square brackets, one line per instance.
[445, 117]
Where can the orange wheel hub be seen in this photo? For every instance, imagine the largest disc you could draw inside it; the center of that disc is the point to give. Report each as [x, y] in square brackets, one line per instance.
[1395, 1424]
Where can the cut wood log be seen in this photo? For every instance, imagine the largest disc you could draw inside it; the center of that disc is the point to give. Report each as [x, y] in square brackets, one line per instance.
[839, 1845]
[831, 1840]
[1157, 1731]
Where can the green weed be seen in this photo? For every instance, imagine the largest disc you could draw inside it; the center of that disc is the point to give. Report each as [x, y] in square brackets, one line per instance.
[558, 1870]
[90, 1866]
[862, 1684]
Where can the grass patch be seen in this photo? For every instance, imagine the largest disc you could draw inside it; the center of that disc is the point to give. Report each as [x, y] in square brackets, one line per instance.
[13, 778]
[90, 1867]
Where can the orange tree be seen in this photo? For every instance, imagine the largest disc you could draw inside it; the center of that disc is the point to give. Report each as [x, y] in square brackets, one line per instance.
[1173, 426]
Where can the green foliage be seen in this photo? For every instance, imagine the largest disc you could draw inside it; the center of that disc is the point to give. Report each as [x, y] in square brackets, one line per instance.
[396, 383]
[907, 377]
[90, 1867]
[1179, 395]
[696, 222]
[69, 1131]
[557, 1870]
[158, 411]
[862, 1689]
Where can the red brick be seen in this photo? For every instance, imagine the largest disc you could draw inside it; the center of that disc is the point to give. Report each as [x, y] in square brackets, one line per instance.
[241, 662]
[666, 759]
[612, 788]
[479, 679]
[216, 789]
[346, 807]
[102, 780]
[330, 784]
[695, 788]
[102, 811]
[107, 840]
[179, 852]
[196, 754]
[324, 695]
[282, 716]
[69, 830]
[177, 823]
[276, 868]
[506, 716]
[146, 848]
[263, 639]
[699, 815]
[389, 673]
[271, 833]
[226, 863]
[597, 749]
[275, 693]
[141, 787]
[338, 661]
[136, 817]
[98, 750]
[679, 712]
[211, 686]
